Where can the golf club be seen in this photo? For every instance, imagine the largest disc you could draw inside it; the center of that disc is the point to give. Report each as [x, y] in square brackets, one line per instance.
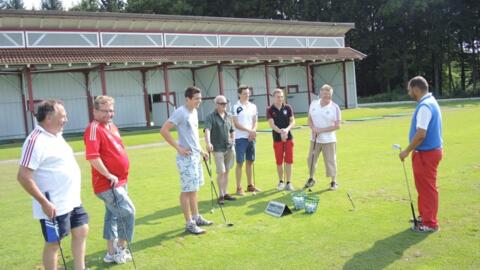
[55, 225]
[211, 186]
[254, 184]
[123, 224]
[216, 194]
[415, 221]
[351, 201]
[310, 181]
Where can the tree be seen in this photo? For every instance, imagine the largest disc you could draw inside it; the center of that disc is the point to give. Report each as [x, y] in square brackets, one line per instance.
[112, 5]
[86, 5]
[51, 5]
[12, 4]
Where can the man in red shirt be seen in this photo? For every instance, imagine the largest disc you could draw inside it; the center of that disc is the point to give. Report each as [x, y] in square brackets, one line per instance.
[106, 153]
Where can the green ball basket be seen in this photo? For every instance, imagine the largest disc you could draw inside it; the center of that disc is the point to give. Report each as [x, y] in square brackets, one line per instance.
[311, 204]
[298, 199]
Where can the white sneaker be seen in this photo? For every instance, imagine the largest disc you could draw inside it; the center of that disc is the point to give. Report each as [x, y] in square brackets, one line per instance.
[126, 253]
[281, 185]
[109, 258]
[119, 258]
[289, 187]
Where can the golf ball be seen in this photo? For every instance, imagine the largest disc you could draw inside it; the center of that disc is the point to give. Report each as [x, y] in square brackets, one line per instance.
[254, 193]
[211, 211]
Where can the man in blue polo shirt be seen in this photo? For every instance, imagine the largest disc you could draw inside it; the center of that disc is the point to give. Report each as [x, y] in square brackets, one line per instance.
[426, 144]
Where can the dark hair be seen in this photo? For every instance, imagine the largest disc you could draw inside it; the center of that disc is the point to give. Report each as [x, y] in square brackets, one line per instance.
[418, 82]
[45, 108]
[241, 88]
[191, 91]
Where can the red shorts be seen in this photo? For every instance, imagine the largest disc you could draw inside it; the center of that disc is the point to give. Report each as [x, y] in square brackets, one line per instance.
[283, 150]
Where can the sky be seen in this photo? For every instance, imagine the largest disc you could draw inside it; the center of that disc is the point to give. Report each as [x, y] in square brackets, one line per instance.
[36, 3]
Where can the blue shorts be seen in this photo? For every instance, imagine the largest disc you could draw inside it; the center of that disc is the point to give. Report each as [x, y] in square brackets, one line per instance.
[244, 149]
[76, 218]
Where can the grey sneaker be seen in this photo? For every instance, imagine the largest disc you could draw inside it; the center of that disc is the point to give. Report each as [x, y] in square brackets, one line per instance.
[333, 186]
[289, 187]
[200, 221]
[109, 258]
[310, 183]
[281, 185]
[192, 228]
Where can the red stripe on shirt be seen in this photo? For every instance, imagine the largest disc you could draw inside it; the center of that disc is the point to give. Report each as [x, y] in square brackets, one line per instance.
[28, 152]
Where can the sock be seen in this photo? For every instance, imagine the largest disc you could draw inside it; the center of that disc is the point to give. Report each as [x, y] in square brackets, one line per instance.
[195, 217]
[281, 181]
[288, 182]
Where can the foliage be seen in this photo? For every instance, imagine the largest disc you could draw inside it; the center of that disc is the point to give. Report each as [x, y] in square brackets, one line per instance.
[51, 5]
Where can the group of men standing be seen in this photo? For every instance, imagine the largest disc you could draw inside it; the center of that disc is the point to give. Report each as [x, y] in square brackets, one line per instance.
[50, 174]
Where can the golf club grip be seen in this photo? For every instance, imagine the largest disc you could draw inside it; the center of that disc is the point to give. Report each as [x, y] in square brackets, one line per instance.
[47, 195]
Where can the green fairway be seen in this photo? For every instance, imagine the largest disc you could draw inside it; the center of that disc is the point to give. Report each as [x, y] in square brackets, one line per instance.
[375, 236]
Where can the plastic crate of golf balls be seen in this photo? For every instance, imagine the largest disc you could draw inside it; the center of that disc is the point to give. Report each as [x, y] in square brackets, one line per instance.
[298, 199]
[311, 204]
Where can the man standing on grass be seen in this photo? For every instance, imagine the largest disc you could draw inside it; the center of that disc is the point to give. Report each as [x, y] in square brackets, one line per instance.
[48, 165]
[106, 153]
[281, 120]
[219, 139]
[189, 157]
[324, 119]
[245, 118]
[426, 144]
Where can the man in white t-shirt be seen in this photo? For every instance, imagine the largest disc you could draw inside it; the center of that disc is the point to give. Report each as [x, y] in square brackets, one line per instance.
[48, 166]
[245, 118]
[323, 119]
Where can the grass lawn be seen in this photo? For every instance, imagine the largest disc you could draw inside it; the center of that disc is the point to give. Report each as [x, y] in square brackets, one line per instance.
[375, 236]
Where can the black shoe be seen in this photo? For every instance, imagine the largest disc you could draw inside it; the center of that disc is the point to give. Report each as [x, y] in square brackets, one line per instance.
[229, 197]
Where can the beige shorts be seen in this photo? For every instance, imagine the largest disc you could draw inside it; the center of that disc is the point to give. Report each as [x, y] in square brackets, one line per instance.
[329, 158]
[224, 160]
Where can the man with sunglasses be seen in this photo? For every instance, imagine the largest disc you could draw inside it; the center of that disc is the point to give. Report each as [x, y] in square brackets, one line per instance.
[219, 139]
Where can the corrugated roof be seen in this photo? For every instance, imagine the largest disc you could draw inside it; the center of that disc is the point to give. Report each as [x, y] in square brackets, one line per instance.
[149, 55]
[62, 20]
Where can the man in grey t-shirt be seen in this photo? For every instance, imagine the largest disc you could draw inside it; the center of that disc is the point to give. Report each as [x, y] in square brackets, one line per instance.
[189, 157]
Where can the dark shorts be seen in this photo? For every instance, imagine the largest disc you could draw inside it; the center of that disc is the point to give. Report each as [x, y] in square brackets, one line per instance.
[244, 149]
[76, 218]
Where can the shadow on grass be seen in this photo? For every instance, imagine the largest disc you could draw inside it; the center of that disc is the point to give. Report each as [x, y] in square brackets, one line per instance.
[95, 260]
[384, 252]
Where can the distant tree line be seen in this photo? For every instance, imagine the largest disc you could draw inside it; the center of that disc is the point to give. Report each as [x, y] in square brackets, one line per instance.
[439, 39]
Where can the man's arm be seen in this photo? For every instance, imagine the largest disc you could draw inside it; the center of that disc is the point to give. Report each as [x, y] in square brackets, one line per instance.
[165, 131]
[420, 135]
[98, 164]
[25, 178]
[208, 143]
[239, 126]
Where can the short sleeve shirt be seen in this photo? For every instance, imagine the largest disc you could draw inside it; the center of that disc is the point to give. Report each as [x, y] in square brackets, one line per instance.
[281, 119]
[220, 129]
[186, 122]
[245, 115]
[55, 170]
[103, 141]
[323, 117]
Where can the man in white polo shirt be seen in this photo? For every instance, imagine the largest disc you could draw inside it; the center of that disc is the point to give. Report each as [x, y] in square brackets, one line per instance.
[48, 165]
[245, 116]
[323, 119]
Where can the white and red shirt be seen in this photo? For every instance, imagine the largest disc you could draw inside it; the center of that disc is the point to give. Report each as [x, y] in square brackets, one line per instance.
[245, 114]
[103, 141]
[55, 170]
[322, 117]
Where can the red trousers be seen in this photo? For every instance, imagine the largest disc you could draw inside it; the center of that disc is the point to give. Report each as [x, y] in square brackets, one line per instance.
[425, 164]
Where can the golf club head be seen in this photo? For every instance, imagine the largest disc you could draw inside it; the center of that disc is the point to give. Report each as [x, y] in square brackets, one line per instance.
[396, 147]
[229, 224]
